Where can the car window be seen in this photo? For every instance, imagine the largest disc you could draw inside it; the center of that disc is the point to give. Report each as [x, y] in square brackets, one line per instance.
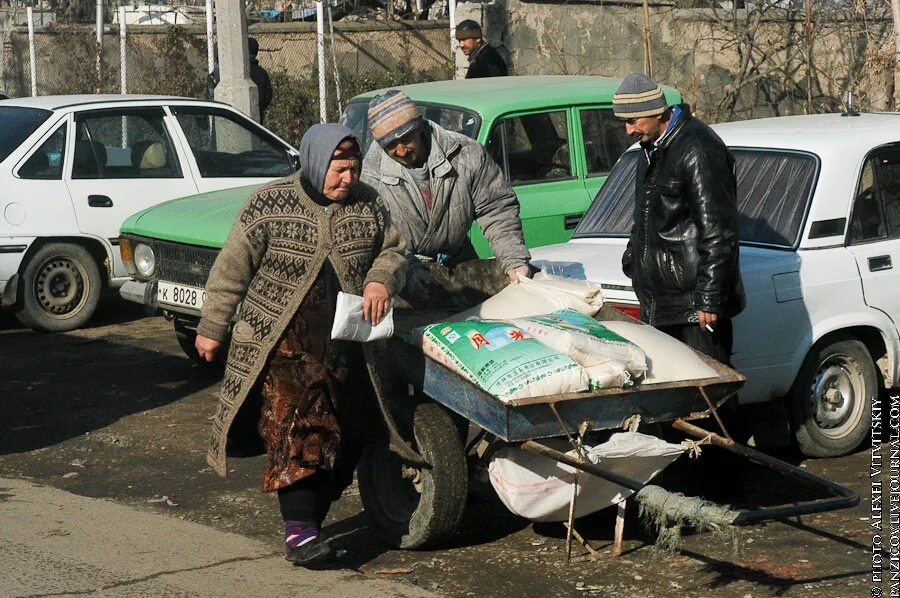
[876, 208]
[123, 144]
[532, 148]
[16, 125]
[452, 118]
[604, 140]
[226, 145]
[47, 161]
[773, 190]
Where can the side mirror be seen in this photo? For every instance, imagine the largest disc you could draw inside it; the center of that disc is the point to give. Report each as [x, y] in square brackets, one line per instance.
[295, 161]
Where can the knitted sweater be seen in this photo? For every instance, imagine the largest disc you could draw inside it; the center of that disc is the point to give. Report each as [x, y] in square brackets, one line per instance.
[277, 246]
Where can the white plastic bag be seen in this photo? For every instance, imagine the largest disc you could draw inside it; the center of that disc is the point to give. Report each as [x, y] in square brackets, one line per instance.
[538, 488]
[542, 294]
[349, 324]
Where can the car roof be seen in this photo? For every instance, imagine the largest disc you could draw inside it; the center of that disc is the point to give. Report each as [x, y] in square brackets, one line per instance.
[68, 101]
[821, 134]
[495, 95]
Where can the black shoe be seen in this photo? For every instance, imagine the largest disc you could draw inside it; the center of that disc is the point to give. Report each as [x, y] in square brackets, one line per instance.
[314, 551]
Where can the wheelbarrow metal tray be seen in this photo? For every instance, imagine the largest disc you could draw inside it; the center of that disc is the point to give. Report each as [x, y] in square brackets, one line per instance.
[536, 417]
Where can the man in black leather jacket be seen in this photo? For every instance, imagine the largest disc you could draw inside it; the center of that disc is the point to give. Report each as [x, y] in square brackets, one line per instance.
[682, 256]
[484, 59]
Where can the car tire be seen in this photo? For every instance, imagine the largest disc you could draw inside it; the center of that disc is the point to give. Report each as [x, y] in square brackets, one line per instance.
[416, 507]
[61, 288]
[832, 397]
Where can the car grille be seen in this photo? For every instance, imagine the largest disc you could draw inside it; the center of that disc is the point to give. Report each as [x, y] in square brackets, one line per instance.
[184, 264]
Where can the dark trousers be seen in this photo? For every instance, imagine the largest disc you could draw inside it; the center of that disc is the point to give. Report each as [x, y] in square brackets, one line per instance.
[310, 498]
[716, 344]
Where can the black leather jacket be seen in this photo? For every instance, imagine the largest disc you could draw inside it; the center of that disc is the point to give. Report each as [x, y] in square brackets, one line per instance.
[486, 62]
[683, 252]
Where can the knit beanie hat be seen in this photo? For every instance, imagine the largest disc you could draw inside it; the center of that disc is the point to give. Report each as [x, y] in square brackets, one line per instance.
[468, 29]
[638, 96]
[391, 116]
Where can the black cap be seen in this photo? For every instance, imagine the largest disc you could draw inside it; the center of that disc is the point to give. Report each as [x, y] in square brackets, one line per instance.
[468, 29]
[252, 46]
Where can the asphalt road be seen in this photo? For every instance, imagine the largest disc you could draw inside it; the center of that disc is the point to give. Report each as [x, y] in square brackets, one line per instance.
[116, 412]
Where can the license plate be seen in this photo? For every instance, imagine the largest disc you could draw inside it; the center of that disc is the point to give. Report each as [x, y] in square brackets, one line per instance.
[181, 295]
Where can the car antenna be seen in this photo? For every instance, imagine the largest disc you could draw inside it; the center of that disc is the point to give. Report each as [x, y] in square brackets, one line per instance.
[849, 111]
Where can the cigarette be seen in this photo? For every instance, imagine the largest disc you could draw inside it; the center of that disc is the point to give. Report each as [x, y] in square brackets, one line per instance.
[709, 328]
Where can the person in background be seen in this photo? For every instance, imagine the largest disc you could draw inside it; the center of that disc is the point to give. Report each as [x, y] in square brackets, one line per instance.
[436, 183]
[296, 243]
[682, 256]
[258, 75]
[484, 60]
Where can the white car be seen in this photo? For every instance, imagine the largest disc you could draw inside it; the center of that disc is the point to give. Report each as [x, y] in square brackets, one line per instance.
[819, 198]
[72, 168]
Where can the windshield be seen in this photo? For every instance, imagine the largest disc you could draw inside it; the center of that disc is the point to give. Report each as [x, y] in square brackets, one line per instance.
[773, 190]
[451, 118]
[16, 124]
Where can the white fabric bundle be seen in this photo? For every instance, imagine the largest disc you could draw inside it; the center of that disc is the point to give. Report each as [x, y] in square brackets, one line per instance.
[349, 324]
[542, 294]
[538, 488]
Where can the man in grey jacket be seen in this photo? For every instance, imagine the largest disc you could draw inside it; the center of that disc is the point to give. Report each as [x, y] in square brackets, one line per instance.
[436, 183]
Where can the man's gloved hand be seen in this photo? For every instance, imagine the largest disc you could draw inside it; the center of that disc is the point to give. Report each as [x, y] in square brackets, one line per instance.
[513, 273]
[418, 282]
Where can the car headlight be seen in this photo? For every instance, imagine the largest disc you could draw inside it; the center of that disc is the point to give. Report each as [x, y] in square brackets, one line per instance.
[144, 260]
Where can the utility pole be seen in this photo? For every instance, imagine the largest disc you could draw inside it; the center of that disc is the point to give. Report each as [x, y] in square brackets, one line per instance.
[235, 86]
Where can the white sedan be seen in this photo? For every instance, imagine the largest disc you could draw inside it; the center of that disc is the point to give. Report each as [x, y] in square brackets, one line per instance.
[72, 168]
[819, 198]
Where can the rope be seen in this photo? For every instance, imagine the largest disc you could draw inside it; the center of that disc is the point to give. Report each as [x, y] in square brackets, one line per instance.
[694, 447]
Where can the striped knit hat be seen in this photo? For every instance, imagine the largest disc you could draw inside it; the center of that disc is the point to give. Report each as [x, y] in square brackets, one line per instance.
[393, 115]
[637, 97]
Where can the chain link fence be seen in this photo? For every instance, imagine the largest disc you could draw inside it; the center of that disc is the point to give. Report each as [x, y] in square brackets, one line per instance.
[172, 60]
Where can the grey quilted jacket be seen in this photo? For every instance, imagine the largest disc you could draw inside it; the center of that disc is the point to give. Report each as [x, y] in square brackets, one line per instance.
[468, 186]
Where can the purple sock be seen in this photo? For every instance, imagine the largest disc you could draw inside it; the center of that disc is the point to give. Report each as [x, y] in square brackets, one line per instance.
[298, 533]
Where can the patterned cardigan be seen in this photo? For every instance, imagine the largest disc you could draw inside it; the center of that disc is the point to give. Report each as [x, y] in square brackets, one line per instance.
[276, 248]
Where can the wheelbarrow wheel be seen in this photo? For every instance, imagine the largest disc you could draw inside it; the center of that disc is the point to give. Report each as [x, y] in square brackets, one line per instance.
[415, 507]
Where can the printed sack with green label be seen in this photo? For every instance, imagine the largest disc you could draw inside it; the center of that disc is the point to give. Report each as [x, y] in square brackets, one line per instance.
[503, 360]
[609, 359]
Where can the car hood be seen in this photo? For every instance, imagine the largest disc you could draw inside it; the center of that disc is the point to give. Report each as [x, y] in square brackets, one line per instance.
[203, 219]
[600, 260]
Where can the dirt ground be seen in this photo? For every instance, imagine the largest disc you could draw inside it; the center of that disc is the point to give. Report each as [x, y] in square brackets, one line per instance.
[116, 411]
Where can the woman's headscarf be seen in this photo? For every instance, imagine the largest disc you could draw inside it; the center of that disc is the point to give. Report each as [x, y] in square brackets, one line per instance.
[316, 149]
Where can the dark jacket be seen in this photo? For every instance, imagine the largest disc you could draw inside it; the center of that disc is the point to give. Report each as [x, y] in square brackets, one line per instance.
[486, 62]
[683, 252]
[258, 75]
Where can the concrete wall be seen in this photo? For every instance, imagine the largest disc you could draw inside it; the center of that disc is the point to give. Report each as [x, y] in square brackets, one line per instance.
[695, 51]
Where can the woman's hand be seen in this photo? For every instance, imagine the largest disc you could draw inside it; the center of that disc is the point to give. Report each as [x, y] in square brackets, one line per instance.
[206, 347]
[376, 302]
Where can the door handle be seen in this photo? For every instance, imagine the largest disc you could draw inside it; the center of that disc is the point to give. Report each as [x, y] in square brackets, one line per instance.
[881, 262]
[99, 201]
[570, 221]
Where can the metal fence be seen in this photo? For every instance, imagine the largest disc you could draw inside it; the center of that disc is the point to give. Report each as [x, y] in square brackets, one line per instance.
[172, 60]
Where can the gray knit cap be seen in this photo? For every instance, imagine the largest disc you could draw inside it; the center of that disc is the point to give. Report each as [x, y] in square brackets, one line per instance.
[639, 96]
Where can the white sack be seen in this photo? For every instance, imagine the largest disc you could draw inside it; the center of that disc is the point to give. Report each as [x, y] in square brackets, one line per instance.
[538, 488]
[610, 359]
[349, 324]
[668, 359]
[543, 294]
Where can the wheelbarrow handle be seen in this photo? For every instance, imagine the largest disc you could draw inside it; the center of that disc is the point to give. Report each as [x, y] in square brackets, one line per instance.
[844, 497]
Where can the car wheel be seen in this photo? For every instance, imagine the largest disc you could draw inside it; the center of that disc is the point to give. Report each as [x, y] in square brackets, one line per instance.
[412, 506]
[832, 397]
[61, 288]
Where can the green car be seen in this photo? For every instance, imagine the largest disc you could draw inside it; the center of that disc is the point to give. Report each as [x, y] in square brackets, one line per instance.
[555, 138]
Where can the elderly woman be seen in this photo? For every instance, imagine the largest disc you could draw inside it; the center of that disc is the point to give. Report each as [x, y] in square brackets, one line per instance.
[294, 245]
